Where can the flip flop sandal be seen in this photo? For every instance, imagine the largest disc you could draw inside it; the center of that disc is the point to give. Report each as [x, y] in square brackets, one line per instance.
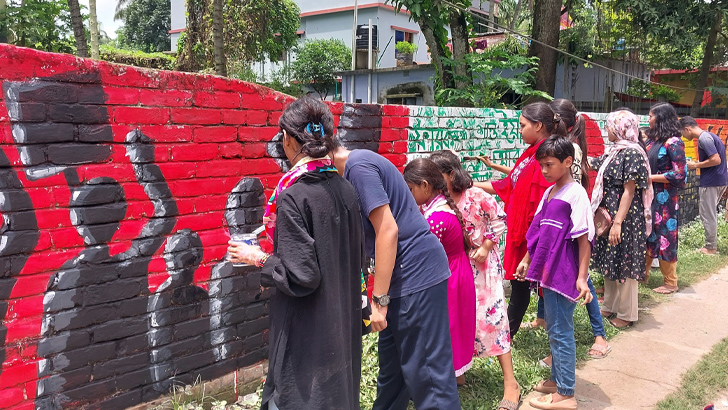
[602, 350]
[547, 403]
[543, 363]
[663, 291]
[629, 324]
[509, 405]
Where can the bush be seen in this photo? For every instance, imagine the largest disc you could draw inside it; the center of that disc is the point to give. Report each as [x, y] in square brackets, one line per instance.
[405, 47]
[137, 58]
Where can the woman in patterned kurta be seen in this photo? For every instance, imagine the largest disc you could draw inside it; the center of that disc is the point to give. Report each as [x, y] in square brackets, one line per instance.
[484, 222]
[666, 153]
[620, 256]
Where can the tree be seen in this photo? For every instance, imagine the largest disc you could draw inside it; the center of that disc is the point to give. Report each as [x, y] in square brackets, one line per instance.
[40, 24]
[707, 63]
[3, 21]
[79, 32]
[94, 25]
[317, 61]
[217, 38]
[254, 30]
[146, 25]
[546, 26]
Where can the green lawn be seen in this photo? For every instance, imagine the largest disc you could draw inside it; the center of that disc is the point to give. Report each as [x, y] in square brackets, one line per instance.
[484, 381]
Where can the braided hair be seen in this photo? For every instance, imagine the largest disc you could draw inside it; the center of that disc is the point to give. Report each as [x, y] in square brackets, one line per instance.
[424, 170]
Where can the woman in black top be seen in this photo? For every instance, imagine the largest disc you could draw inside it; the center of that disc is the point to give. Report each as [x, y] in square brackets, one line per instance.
[315, 331]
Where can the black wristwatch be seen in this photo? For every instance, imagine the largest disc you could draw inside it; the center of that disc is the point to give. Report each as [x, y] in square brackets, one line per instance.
[382, 300]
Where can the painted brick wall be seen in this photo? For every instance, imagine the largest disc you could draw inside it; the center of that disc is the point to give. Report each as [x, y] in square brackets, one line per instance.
[118, 189]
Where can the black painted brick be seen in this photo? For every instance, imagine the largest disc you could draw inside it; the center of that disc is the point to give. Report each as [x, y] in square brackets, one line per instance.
[113, 291]
[252, 327]
[256, 310]
[187, 363]
[119, 329]
[134, 379]
[118, 402]
[78, 114]
[121, 365]
[63, 342]
[66, 380]
[74, 359]
[74, 154]
[95, 133]
[48, 133]
[46, 91]
[253, 342]
[252, 358]
[191, 328]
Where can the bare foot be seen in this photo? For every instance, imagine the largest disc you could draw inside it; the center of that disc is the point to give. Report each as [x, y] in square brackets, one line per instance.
[460, 380]
[666, 290]
[605, 313]
[706, 251]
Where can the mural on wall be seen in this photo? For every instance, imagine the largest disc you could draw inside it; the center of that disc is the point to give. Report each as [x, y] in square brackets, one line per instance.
[106, 337]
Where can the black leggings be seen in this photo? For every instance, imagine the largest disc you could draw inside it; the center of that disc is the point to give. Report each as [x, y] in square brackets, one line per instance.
[520, 298]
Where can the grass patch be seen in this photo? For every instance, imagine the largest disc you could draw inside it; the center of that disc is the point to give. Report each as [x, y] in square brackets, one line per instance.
[702, 383]
[484, 387]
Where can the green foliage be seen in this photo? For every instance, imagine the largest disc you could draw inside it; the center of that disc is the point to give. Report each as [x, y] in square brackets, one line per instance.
[317, 61]
[137, 58]
[40, 24]
[254, 31]
[644, 89]
[405, 47]
[282, 80]
[146, 25]
[490, 85]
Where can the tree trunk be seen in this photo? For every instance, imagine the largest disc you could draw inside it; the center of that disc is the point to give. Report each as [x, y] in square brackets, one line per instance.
[491, 15]
[3, 22]
[705, 67]
[79, 32]
[460, 48]
[546, 25]
[437, 53]
[93, 22]
[217, 39]
[516, 12]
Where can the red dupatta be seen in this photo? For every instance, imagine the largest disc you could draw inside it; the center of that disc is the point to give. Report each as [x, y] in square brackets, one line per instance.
[521, 200]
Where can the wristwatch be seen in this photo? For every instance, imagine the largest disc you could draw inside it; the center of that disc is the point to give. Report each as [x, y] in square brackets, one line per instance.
[382, 300]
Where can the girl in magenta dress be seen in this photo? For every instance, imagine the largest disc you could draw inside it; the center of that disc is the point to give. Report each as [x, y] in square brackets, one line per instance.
[430, 191]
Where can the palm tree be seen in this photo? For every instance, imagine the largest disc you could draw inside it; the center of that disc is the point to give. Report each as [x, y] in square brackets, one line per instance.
[94, 29]
[217, 39]
[79, 32]
[120, 7]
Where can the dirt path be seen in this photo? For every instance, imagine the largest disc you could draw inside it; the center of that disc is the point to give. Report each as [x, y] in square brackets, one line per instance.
[648, 361]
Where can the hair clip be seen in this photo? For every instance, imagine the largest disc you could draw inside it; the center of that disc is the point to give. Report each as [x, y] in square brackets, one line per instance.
[312, 128]
[557, 117]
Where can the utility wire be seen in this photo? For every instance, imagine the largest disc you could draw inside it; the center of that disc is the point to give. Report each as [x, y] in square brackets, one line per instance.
[514, 33]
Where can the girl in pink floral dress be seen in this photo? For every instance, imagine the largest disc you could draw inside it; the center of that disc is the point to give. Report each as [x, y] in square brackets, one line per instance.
[430, 192]
[484, 222]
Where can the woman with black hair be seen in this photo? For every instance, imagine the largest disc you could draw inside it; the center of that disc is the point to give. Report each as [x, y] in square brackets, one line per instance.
[314, 359]
[666, 153]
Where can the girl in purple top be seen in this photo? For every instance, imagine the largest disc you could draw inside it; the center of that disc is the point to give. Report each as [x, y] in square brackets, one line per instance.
[429, 188]
[559, 249]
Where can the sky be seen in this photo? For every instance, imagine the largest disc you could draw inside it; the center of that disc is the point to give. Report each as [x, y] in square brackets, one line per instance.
[105, 14]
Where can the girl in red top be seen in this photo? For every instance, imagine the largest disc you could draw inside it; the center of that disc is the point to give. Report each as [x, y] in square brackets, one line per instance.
[521, 192]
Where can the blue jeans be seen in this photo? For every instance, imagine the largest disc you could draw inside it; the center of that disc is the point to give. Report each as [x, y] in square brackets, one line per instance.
[595, 316]
[559, 316]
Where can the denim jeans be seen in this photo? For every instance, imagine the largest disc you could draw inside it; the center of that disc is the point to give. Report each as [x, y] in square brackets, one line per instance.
[595, 316]
[559, 316]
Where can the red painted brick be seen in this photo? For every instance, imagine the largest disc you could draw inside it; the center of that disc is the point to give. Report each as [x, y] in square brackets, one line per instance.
[21, 330]
[257, 118]
[11, 396]
[124, 75]
[196, 187]
[28, 405]
[44, 242]
[121, 95]
[119, 172]
[270, 182]
[215, 134]
[217, 99]
[200, 222]
[185, 206]
[165, 98]
[141, 115]
[24, 308]
[177, 170]
[65, 238]
[400, 147]
[194, 152]
[231, 150]
[257, 133]
[13, 355]
[275, 116]
[389, 134]
[259, 166]
[396, 159]
[18, 375]
[195, 116]
[395, 122]
[336, 108]
[234, 117]
[395, 110]
[385, 148]
[168, 133]
[265, 103]
[52, 218]
[210, 203]
[41, 197]
[218, 168]
[254, 150]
